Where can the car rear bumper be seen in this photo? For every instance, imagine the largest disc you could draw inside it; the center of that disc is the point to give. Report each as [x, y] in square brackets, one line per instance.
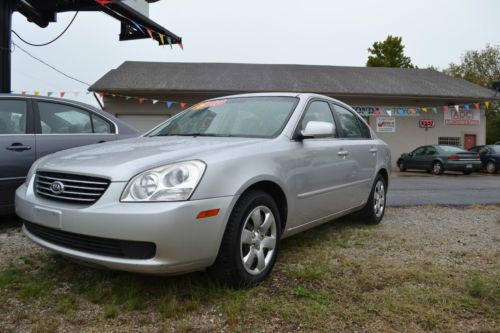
[182, 242]
[463, 165]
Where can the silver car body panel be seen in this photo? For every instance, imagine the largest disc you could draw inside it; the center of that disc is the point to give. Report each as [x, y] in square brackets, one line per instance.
[319, 185]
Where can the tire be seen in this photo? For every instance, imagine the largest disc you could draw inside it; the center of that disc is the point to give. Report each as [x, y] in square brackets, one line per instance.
[437, 168]
[247, 254]
[401, 166]
[467, 172]
[490, 167]
[374, 210]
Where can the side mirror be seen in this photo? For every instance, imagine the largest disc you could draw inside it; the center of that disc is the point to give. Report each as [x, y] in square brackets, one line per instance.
[317, 129]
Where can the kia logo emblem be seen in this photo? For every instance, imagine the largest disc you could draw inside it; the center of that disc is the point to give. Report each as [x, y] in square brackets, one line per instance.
[57, 187]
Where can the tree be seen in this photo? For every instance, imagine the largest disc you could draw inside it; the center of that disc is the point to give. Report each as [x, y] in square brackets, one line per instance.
[482, 67]
[389, 53]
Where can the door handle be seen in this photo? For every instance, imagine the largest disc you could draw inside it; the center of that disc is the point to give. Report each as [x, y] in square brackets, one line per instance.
[373, 150]
[18, 147]
[101, 141]
[343, 153]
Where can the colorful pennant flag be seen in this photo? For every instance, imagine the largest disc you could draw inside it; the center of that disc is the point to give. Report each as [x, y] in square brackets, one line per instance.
[169, 104]
[36, 93]
[183, 105]
[424, 109]
[61, 94]
[138, 27]
[487, 104]
[445, 109]
[49, 93]
[169, 40]
[161, 39]
[155, 101]
[181, 46]
[466, 106]
[141, 100]
[149, 32]
[457, 107]
[101, 94]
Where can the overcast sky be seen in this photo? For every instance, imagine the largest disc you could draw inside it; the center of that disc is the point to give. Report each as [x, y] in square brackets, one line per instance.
[323, 32]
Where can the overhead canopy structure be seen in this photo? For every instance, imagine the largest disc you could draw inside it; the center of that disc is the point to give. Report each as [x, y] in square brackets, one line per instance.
[132, 14]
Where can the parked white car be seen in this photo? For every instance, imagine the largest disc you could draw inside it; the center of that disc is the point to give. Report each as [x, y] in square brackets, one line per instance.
[218, 186]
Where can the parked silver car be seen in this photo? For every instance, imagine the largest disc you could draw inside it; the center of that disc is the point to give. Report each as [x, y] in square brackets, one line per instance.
[216, 186]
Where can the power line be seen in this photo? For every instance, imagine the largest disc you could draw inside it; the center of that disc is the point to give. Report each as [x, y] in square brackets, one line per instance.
[50, 66]
[50, 42]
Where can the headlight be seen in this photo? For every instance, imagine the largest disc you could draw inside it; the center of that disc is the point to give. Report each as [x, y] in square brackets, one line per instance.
[173, 182]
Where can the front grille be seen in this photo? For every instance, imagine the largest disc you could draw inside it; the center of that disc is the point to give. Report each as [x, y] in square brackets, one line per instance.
[75, 188]
[96, 245]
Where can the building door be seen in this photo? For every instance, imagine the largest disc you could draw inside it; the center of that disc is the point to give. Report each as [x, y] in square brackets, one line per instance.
[469, 141]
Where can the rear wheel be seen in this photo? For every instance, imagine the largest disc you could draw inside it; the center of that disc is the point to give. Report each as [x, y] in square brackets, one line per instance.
[251, 240]
[437, 168]
[490, 167]
[374, 210]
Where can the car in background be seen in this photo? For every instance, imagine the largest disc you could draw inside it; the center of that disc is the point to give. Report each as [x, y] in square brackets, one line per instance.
[33, 126]
[440, 158]
[490, 157]
[217, 185]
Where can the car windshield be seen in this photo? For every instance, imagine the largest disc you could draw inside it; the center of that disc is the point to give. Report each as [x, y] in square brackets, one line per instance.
[451, 149]
[262, 117]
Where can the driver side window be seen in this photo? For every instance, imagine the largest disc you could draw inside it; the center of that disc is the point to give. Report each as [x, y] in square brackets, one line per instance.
[319, 111]
[419, 151]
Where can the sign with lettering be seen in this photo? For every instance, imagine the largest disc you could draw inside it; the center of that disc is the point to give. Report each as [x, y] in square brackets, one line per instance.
[386, 124]
[462, 117]
[426, 123]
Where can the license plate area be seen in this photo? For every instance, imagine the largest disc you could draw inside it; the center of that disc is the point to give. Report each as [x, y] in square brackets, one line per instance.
[48, 217]
[468, 166]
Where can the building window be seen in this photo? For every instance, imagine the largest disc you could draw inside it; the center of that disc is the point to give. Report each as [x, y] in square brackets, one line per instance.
[449, 140]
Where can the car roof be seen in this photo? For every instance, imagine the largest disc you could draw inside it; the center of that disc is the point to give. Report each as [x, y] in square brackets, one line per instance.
[46, 98]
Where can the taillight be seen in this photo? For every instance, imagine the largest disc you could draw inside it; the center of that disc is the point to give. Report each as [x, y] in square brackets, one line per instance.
[478, 157]
[453, 158]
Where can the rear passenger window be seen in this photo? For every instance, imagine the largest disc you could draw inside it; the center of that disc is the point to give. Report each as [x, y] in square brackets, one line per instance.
[100, 125]
[12, 117]
[352, 127]
[319, 111]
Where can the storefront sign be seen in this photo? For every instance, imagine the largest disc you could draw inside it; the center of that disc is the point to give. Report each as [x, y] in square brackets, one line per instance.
[386, 124]
[462, 117]
[426, 123]
[366, 110]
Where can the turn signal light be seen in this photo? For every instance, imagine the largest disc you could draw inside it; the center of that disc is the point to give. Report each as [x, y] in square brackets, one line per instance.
[207, 213]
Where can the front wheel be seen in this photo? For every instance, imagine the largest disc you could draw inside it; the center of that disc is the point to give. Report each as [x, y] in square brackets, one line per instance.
[251, 241]
[401, 166]
[374, 210]
[437, 168]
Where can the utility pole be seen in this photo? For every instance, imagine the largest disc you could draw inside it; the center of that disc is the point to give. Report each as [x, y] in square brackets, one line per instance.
[5, 47]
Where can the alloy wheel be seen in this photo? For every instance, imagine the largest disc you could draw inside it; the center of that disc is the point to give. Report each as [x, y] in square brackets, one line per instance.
[436, 168]
[258, 240]
[379, 199]
[490, 167]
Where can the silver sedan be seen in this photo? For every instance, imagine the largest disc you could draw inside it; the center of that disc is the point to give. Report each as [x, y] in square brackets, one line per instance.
[217, 186]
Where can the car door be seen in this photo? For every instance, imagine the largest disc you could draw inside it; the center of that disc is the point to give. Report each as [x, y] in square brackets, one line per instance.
[61, 126]
[428, 159]
[360, 153]
[320, 169]
[414, 160]
[17, 147]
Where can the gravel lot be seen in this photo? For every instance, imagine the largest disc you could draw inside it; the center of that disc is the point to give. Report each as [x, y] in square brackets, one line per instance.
[314, 268]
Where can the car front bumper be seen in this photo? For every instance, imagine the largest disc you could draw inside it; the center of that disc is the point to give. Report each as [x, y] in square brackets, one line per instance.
[183, 242]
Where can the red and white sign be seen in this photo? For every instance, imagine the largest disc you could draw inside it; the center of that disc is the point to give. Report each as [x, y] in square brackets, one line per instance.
[462, 117]
[386, 124]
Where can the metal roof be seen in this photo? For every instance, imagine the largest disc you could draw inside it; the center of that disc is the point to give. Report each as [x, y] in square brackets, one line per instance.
[168, 77]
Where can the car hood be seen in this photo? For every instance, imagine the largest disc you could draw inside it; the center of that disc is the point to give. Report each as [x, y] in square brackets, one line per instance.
[121, 160]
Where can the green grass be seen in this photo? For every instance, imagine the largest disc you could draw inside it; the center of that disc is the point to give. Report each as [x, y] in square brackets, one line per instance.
[332, 278]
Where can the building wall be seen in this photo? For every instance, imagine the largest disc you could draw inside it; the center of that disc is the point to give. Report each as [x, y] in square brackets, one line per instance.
[409, 135]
